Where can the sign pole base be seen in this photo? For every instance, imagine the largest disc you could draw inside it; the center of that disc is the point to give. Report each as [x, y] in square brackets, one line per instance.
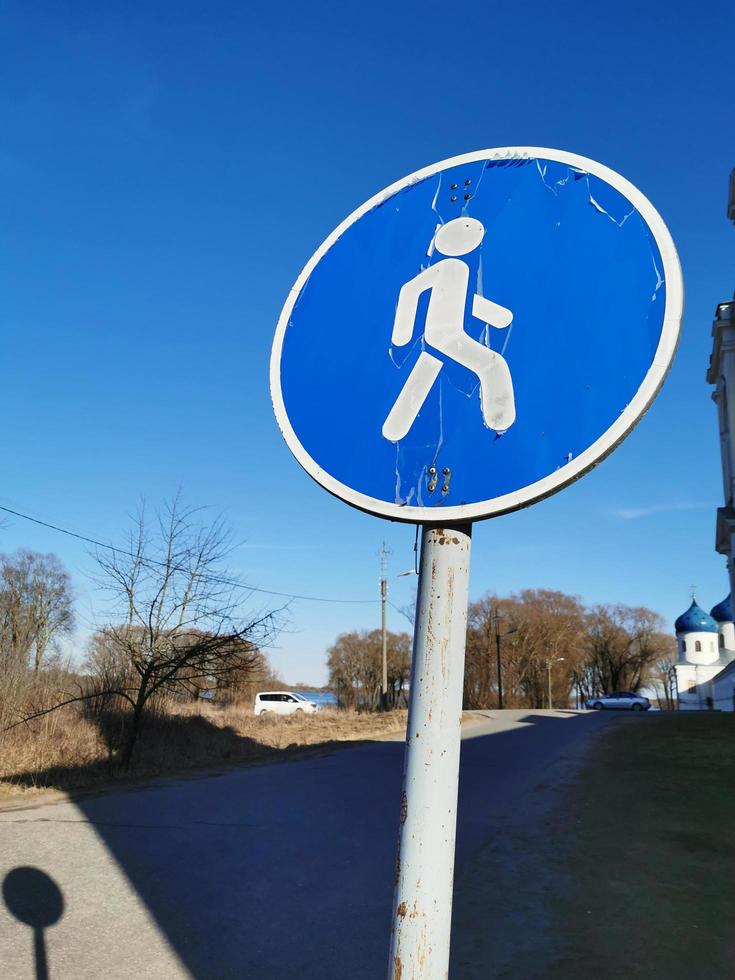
[422, 903]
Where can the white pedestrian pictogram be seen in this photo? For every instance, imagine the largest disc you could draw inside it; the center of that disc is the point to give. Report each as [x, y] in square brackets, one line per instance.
[444, 330]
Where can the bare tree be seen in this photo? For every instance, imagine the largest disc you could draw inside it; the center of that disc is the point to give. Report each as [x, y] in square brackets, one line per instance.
[52, 609]
[176, 624]
[16, 618]
[36, 608]
[355, 668]
[662, 679]
[550, 630]
[241, 686]
[622, 644]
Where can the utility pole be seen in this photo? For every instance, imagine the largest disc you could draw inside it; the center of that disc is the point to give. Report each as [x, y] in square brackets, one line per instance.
[496, 623]
[498, 662]
[384, 552]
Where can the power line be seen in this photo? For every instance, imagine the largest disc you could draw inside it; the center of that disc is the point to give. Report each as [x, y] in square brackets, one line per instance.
[401, 611]
[152, 561]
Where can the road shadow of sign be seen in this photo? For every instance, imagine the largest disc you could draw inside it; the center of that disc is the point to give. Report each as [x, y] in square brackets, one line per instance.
[36, 900]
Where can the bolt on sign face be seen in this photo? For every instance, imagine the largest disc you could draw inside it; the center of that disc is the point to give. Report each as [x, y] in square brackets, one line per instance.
[477, 336]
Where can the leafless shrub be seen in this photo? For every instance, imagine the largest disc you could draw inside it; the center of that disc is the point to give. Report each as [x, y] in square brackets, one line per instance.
[177, 626]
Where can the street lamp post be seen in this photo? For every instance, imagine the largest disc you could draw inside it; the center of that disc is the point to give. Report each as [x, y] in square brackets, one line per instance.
[674, 690]
[384, 552]
[553, 660]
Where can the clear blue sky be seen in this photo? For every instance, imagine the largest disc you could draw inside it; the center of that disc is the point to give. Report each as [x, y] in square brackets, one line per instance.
[167, 168]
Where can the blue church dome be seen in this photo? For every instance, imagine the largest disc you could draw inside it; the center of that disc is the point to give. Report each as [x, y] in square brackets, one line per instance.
[695, 620]
[722, 612]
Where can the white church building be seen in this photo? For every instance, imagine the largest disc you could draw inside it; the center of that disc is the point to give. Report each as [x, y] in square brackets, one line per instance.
[705, 667]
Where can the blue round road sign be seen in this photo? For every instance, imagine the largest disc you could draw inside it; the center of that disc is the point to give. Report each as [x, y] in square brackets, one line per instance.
[477, 336]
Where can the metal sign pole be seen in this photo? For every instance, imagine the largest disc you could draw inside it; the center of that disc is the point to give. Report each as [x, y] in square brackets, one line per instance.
[422, 903]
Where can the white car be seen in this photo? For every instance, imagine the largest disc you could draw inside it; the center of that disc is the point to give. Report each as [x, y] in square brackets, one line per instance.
[283, 703]
[619, 700]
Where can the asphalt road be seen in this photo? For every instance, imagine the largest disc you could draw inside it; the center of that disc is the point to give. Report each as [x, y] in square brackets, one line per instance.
[273, 872]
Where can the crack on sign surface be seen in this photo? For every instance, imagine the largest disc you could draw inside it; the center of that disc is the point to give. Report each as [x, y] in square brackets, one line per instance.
[659, 278]
[600, 210]
[436, 198]
[543, 168]
[417, 459]
[407, 351]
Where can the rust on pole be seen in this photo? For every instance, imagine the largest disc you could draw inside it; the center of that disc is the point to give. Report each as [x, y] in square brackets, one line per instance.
[384, 552]
[422, 903]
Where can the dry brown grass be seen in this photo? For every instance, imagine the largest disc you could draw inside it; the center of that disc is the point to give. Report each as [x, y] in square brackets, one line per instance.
[69, 751]
[297, 730]
[64, 740]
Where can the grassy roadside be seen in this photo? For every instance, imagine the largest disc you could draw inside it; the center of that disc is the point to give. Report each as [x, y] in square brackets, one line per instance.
[67, 752]
[647, 880]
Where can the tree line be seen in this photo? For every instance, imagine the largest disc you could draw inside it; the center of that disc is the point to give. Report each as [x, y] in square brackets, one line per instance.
[553, 649]
[552, 640]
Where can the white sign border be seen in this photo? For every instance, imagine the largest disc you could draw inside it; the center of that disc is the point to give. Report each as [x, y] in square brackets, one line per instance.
[569, 472]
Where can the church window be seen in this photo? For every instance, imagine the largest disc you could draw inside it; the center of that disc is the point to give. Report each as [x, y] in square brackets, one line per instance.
[683, 646]
[697, 646]
[722, 642]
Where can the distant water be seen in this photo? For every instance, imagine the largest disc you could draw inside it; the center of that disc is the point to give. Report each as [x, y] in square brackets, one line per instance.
[325, 699]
